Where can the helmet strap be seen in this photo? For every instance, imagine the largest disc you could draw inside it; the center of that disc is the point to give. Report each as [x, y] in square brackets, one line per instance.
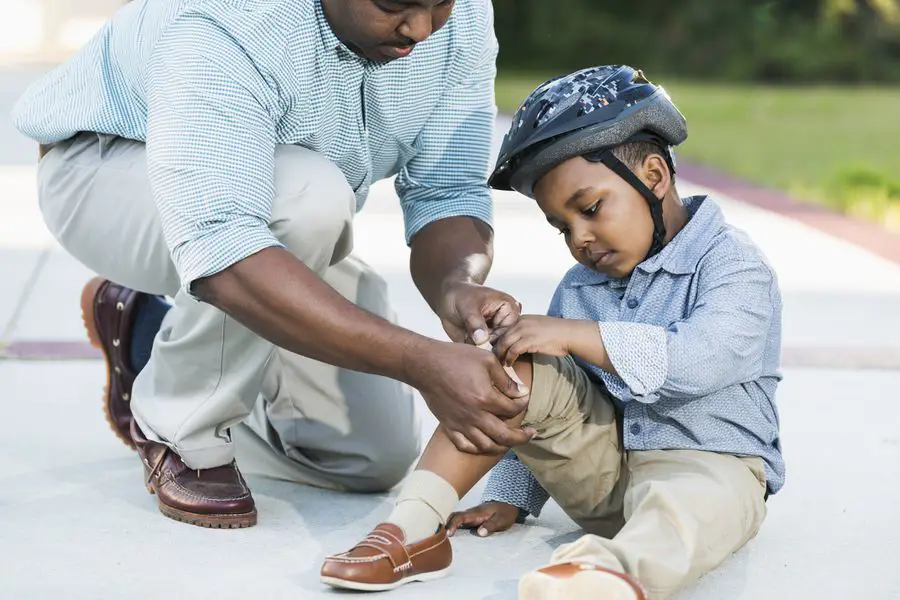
[656, 210]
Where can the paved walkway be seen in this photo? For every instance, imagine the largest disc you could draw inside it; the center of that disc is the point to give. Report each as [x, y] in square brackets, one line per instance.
[76, 521]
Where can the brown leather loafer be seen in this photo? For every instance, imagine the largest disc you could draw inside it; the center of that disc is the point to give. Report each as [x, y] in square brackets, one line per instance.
[217, 498]
[579, 581]
[108, 311]
[383, 561]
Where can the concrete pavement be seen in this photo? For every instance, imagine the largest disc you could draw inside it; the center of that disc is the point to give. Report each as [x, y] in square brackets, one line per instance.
[75, 519]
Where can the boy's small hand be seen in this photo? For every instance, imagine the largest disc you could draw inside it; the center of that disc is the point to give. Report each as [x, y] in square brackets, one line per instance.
[534, 334]
[487, 518]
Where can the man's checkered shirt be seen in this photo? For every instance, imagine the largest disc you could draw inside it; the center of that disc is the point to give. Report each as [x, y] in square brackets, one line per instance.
[213, 86]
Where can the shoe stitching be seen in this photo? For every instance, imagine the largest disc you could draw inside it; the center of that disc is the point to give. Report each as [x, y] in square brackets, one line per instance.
[382, 556]
[411, 556]
[357, 559]
[188, 492]
[374, 535]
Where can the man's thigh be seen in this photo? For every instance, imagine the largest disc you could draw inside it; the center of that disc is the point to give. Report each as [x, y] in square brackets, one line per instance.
[96, 200]
[353, 430]
[95, 195]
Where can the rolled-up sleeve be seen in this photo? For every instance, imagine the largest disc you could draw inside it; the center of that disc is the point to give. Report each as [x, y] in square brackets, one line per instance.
[448, 176]
[512, 482]
[721, 343]
[210, 148]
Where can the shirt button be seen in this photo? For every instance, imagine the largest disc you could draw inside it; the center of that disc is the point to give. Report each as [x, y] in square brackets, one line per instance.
[633, 303]
[635, 428]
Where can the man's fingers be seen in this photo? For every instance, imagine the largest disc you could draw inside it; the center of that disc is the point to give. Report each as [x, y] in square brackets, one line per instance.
[501, 405]
[456, 334]
[507, 381]
[482, 442]
[476, 328]
[497, 333]
[461, 442]
[503, 435]
[506, 315]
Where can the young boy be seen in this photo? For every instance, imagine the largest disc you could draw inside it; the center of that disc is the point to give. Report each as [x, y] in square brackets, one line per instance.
[652, 379]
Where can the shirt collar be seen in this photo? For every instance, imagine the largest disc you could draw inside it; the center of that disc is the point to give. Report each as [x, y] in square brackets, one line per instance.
[682, 255]
[679, 257]
[330, 41]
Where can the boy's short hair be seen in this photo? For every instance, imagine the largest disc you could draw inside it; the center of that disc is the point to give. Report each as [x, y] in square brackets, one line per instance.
[633, 154]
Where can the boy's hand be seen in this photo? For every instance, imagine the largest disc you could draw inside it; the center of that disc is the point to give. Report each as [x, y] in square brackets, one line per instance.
[488, 518]
[470, 312]
[534, 334]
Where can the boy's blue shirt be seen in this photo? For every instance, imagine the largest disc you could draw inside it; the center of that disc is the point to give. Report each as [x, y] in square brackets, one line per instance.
[695, 336]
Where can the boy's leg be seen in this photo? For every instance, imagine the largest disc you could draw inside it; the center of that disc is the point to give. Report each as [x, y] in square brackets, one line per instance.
[576, 435]
[574, 453]
[443, 476]
[686, 512]
[412, 545]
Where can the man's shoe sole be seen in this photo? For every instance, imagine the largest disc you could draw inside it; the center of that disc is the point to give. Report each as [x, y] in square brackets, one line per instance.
[88, 297]
[238, 521]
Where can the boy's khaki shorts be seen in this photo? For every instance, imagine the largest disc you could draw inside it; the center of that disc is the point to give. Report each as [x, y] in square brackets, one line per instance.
[665, 516]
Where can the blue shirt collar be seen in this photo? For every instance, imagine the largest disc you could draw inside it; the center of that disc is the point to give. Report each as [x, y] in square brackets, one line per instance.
[679, 257]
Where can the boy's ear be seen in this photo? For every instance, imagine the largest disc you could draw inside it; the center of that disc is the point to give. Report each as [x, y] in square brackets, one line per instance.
[655, 174]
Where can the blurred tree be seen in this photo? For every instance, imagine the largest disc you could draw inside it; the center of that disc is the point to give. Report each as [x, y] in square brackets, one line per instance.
[768, 40]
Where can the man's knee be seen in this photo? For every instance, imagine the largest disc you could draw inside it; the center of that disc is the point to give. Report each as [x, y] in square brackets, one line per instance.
[313, 208]
[387, 464]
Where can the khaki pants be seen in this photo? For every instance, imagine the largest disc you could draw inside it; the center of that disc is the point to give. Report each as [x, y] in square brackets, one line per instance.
[210, 381]
[666, 517]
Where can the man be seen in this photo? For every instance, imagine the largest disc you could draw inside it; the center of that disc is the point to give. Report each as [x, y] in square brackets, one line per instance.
[216, 152]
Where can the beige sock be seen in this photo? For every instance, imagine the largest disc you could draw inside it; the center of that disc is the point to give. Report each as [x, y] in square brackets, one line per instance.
[425, 502]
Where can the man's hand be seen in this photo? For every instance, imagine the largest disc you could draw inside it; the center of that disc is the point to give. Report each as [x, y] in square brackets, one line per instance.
[488, 518]
[470, 394]
[470, 312]
[534, 334]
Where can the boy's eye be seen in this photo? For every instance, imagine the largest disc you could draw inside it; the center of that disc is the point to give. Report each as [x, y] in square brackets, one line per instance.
[592, 209]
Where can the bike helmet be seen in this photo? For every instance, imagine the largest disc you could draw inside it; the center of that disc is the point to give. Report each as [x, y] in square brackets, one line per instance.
[587, 114]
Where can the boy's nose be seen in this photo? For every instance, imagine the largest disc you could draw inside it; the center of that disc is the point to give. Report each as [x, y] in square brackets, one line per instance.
[581, 238]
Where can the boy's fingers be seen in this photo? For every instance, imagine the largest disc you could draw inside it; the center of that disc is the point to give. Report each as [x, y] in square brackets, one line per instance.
[465, 520]
[492, 525]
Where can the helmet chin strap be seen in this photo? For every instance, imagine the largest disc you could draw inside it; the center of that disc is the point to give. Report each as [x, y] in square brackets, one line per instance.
[618, 167]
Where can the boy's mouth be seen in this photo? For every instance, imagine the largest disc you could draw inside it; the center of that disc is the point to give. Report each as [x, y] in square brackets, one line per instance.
[600, 259]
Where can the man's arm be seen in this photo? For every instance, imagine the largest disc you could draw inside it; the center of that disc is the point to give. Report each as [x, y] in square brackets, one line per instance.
[447, 204]
[210, 151]
[451, 250]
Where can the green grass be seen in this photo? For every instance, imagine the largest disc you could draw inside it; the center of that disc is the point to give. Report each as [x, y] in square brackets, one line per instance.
[836, 146]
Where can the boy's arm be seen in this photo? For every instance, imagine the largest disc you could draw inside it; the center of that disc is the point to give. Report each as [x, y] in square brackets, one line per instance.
[512, 482]
[721, 343]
